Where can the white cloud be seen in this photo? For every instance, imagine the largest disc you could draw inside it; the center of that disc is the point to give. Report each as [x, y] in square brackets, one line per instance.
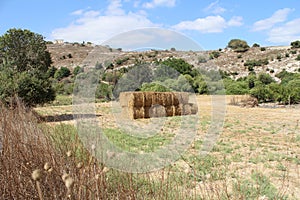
[209, 24]
[277, 17]
[215, 8]
[160, 3]
[77, 12]
[115, 8]
[286, 33]
[235, 21]
[94, 27]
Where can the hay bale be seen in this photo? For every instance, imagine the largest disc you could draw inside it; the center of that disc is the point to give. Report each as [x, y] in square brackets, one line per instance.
[131, 99]
[148, 99]
[124, 98]
[187, 109]
[137, 105]
[178, 110]
[170, 111]
[194, 108]
[136, 99]
[147, 112]
[181, 98]
[157, 111]
[136, 112]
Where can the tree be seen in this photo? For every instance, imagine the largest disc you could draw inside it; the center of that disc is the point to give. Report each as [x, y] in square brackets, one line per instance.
[24, 63]
[265, 78]
[295, 44]
[179, 65]
[238, 45]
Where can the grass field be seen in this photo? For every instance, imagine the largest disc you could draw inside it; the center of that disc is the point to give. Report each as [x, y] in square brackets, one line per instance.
[257, 156]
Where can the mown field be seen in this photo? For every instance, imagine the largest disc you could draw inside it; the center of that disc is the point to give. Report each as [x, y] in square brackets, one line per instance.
[257, 156]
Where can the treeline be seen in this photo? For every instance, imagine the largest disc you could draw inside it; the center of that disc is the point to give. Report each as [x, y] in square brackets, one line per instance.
[177, 75]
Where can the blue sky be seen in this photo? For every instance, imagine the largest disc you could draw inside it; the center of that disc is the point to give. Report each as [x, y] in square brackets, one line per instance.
[211, 23]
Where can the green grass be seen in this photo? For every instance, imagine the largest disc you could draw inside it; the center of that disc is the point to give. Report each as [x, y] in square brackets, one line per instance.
[136, 144]
[258, 186]
[61, 100]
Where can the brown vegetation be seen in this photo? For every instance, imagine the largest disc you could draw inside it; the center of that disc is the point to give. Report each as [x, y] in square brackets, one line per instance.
[156, 104]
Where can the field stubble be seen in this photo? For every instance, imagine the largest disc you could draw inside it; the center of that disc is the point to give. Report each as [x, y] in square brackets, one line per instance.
[257, 156]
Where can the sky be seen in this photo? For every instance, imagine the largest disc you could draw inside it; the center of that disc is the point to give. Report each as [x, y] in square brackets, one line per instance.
[209, 23]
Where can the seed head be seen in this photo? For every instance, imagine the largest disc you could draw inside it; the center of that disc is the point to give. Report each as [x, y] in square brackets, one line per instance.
[69, 153]
[79, 165]
[69, 182]
[47, 167]
[65, 176]
[36, 175]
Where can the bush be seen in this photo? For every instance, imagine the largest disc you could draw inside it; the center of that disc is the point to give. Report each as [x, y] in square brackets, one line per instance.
[238, 45]
[236, 87]
[265, 78]
[298, 58]
[295, 44]
[77, 70]
[179, 65]
[214, 54]
[154, 87]
[202, 59]
[263, 48]
[62, 73]
[254, 63]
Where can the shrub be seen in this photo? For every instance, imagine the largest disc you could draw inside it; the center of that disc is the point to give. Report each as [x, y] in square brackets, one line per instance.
[179, 65]
[298, 58]
[154, 87]
[265, 78]
[279, 57]
[263, 48]
[254, 63]
[295, 44]
[255, 45]
[214, 54]
[62, 73]
[202, 59]
[238, 45]
[77, 70]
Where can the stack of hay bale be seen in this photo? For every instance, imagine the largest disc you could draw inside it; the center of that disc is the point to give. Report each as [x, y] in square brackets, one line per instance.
[156, 104]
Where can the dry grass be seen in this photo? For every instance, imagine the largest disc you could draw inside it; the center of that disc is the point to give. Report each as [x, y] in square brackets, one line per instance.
[256, 157]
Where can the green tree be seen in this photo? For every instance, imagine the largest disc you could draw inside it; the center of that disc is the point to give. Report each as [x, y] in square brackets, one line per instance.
[24, 63]
[265, 78]
[238, 45]
[295, 44]
[179, 65]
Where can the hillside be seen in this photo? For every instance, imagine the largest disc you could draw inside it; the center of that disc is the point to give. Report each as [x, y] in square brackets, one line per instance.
[278, 58]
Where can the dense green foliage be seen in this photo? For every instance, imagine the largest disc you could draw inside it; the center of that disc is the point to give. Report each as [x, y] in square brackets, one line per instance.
[62, 73]
[24, 65]
[265, 89]
[295, 44]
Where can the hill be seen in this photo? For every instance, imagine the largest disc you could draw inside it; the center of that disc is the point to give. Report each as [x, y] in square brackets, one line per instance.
[271, 60]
